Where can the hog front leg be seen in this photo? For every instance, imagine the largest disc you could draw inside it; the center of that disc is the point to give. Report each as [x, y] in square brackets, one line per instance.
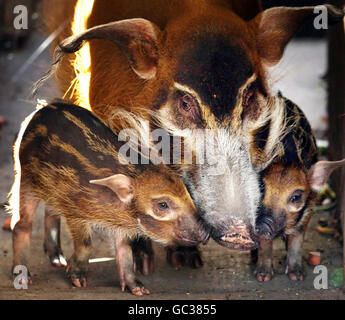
[143, 255]
[176, 256]
[294, 263]
[184, 256]
[264, 269]
[125, 264]
[52, 245]
[77, 266]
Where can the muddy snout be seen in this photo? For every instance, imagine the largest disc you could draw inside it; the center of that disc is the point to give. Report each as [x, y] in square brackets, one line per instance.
[265, 229]
[268, 224]
[190, 232]
[237, 237]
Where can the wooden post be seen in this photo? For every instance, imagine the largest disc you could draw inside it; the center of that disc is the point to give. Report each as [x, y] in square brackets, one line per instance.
[336, 110]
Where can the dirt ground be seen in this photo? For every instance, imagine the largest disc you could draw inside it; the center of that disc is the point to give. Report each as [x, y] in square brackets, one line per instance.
[225, 274]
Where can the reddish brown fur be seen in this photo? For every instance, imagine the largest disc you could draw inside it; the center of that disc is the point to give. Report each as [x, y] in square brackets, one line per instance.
[113, 83]
[177, 24]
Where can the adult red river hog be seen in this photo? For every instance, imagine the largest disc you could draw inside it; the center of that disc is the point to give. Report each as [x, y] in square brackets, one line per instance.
[186, 64]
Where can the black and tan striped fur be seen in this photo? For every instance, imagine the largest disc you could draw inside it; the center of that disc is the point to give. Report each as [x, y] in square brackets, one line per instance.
[290, 185]
[64, 154]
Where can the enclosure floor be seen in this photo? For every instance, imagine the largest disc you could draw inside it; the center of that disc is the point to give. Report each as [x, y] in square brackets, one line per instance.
[225, 274]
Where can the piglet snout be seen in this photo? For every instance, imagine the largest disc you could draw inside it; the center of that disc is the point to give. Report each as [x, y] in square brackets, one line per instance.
[191, 232]
[265, 228]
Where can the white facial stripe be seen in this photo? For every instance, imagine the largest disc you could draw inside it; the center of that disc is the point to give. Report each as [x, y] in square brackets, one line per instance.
[185, 88]
[250, 80]
[167, 217]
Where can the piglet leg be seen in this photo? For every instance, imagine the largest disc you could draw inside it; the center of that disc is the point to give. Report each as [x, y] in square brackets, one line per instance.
[184, 256]
[52, 246]
[22, 233]
[7, 225]
[143, 255]
[77, 266]
[125, 263]
[264, 269]
[294, 265]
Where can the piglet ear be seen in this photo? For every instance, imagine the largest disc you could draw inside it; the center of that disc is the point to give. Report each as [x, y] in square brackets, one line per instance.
[320, 172]
[275, 27]
[120, 184]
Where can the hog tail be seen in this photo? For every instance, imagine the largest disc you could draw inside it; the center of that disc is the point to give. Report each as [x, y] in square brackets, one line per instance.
[13, 207]
[69, 45]
[58, 55]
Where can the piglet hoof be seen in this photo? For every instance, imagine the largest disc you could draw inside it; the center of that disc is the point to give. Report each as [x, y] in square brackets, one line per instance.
[25, 281]
[264, 274]
[77, 275]
[296, 273]
[22, 279]
[180, 256]
[56, 258]
[7, 225]
[135, 287]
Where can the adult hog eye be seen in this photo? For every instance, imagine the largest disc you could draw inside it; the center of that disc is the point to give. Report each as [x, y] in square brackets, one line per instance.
[188, 106]
[248, 94]
[187, 102]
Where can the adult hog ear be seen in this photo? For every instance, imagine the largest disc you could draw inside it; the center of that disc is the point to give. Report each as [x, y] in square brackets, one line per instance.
[275, 27]
[320, 172]
[136, 38]
[119, 184]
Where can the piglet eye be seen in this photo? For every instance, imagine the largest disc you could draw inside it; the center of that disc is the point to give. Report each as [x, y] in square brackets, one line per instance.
[296, 197]
[163, 205]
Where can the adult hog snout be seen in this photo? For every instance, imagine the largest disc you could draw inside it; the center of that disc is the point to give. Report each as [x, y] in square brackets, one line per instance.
[239, 236]
[226, 190]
